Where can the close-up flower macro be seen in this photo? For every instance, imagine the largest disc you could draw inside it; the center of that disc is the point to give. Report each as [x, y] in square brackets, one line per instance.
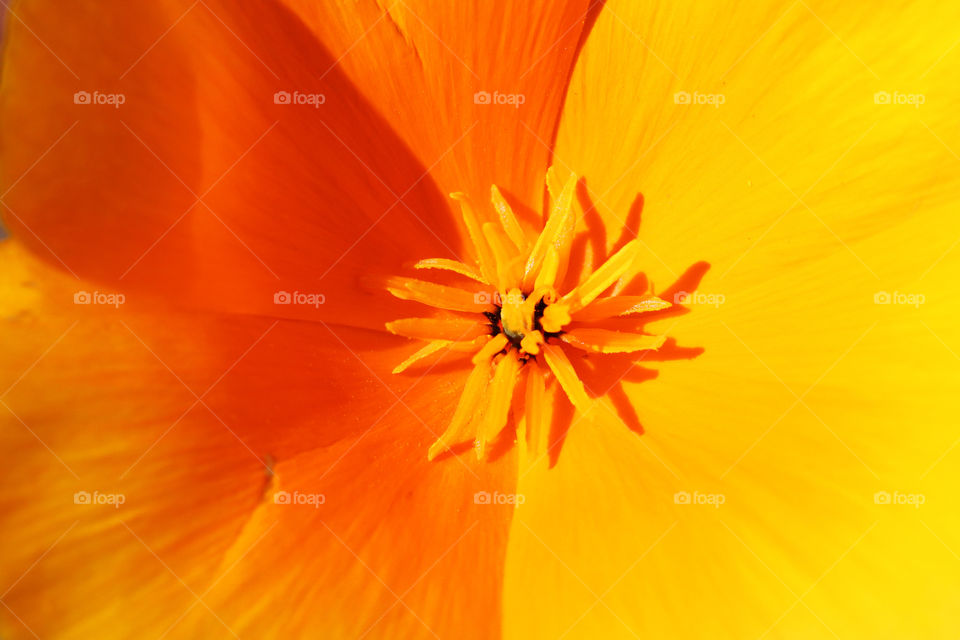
[479, 319]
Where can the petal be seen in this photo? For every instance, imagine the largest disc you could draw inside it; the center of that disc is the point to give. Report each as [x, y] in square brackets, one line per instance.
[104, 399]
[826, 378]
[201, 186]
[437, 72]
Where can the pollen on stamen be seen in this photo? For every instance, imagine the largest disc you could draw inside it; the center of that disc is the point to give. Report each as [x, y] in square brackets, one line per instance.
[519, 328]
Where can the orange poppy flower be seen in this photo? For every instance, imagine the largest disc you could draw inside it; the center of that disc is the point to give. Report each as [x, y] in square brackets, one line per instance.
[692, 305]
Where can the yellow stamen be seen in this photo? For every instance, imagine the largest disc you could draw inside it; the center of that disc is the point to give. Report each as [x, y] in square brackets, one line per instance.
[498, 406]
[555, 317]
[527, 325]
[555, 233]
[515, 317]
[603, 308]
[507, 272]
[438, 295]
[533, 406]
[451, 265]
[603, 277]
[492, 348]
[466, 408]
[431, 347]
[566, 376]
[531, 342]
[484, 256]
[508, 220]
[438, 328]
[554, 183]
[607, 341]
[548, 271]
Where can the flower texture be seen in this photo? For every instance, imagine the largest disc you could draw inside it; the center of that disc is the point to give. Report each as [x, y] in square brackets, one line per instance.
[693, 303]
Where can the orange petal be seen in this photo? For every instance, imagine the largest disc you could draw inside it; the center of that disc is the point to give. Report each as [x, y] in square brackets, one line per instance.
[514, 52]
[199, 177]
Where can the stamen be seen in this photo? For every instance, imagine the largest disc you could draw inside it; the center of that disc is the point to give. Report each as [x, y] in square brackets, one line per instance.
[555, 233]
[533, 407]
[508, 220]
[607, 341]
[604, 308]
[437, 328]
[484, 256]
[501, 391]
[528, 326]
[431, 347]
[450, 265]
[606, 275]
[437, 295]
[566, 376]
[466, 408]
[496, 344]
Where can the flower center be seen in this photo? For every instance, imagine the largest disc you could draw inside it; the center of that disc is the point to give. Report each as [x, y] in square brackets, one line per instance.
[526, 324]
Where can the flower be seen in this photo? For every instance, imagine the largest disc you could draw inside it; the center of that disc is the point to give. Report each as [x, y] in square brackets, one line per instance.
[209, 204]
[523, 319]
